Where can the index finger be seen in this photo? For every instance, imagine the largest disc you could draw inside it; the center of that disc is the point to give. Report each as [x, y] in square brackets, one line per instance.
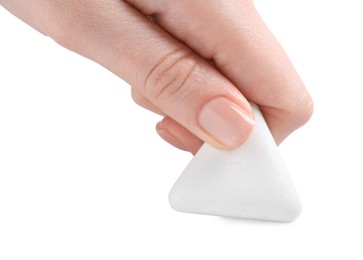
[233, 35]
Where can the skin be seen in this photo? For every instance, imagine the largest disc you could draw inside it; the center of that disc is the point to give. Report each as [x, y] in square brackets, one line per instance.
[178, 55]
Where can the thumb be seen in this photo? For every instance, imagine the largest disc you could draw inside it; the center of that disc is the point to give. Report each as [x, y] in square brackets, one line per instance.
[177, 81]
[189, 90]
[171, 76]
[186, 87]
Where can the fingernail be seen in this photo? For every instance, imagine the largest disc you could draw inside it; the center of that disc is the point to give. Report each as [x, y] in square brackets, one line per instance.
[226, 121]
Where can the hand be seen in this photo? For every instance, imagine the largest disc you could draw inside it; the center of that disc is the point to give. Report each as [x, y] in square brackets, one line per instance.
[195, 62]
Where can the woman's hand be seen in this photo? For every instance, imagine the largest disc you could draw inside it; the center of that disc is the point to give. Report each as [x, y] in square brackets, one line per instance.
[196, 62]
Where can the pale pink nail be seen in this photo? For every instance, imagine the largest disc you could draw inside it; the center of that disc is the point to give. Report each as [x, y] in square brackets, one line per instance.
[226, 121]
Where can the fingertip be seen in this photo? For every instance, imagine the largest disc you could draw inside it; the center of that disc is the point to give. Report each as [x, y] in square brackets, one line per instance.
[226, 122]
[165, 134]
[178, 136]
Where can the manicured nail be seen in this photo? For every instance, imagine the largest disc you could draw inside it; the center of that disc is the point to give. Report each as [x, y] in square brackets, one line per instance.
[226, 121]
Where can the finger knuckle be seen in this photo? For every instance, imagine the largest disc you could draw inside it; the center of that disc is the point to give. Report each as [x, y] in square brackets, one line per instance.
[301, 110]
[136, 97]
[169, 78]
[308, 109]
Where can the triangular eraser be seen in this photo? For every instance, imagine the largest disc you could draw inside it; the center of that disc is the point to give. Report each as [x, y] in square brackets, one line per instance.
[250, 181]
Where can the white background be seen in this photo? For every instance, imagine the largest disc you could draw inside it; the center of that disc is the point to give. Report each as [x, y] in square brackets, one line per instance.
[83, 174]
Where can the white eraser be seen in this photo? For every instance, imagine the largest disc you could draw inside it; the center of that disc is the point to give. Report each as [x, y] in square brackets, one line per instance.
[249, 182]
